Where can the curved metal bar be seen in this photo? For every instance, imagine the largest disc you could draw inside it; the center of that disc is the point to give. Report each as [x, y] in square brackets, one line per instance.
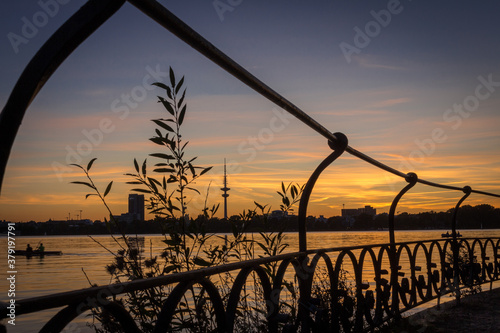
[274, 300]
[467, 190]
[234, 296]
[168, 309]
[412, 179]
[456, 249]
[488, 271]
[69, 313]
[339, 148]
[364, 306]
[45, 62]
[121, 314]
[63, 318]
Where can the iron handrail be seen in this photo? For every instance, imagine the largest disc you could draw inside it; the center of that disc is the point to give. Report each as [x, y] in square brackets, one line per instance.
[56, 300]
[433, 280]
[81, 25]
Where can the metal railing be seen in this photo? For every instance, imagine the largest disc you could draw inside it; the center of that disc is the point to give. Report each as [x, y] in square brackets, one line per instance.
[384, 286]
[387, 298]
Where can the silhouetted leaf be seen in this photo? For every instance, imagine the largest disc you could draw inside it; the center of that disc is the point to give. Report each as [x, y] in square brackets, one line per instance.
[193, 172]
[172, 77]
[154, 181]
[163, 125]
[77, 165]
[260, 206]
[167, 105]
[264, 247]
[140, 190]
[201, 262]
[163, 170]
[130, 174]
[161, 155]
[158, 141]
[234, 230]
[152, 184]
[88, 195]
[169, 269]
[179, 85]
[169, 92]
[144, 168]
[136, 165]
[181, 116]
[193, 189]
[161, 85]
[294, 191]
[205, 171]
[283, 188]
[90, 163]
[84, 183]
[108, 188]
[179, 103]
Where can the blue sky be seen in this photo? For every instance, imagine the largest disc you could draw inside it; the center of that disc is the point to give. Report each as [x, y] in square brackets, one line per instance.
[403, 97]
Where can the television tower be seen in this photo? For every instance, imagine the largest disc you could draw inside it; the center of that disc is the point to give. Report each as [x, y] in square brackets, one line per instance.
[225, 189]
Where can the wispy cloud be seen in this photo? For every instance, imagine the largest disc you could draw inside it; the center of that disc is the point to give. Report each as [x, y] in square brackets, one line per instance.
[374, 62]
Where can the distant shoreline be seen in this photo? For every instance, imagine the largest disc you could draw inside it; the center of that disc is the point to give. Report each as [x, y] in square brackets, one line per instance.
[251, 232]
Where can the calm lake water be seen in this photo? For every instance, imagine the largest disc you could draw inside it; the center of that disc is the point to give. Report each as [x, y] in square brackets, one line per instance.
[82, 256]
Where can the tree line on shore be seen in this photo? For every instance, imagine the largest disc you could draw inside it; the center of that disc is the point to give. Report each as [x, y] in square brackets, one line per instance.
[469, 217]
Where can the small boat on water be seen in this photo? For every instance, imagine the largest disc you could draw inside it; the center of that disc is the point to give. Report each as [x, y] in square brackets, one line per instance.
[37, 253]
[448, 235]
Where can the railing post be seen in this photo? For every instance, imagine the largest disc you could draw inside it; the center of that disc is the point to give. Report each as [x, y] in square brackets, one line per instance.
[412, 179]
[456, 249]
[338, 147]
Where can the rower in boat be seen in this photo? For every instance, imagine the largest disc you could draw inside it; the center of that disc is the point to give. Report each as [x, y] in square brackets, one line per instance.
[39, 251]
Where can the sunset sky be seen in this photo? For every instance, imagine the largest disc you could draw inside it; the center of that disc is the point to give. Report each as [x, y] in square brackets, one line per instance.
[415, 85]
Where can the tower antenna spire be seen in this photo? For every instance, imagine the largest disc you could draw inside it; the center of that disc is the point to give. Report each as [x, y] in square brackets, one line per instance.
[225, 189]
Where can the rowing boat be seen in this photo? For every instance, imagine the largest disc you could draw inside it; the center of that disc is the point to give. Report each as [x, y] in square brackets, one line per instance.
[38, 253]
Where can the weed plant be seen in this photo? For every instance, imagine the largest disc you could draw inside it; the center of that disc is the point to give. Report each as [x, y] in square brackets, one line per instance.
[168, 189]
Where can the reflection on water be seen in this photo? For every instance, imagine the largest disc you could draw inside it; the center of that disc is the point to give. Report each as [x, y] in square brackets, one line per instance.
[41, 276]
